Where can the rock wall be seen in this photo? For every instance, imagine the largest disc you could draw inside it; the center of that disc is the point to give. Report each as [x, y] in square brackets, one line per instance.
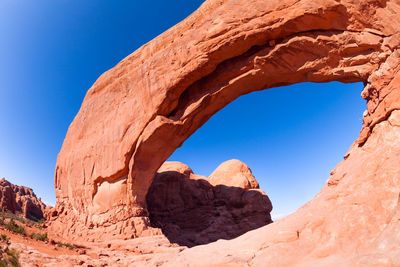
[138, 113]
[14, 198]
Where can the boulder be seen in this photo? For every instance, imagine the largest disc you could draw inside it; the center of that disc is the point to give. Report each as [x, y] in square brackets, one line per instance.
[192, 211]
[234, 173]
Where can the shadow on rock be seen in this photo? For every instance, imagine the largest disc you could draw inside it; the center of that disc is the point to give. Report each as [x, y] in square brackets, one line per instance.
[191, 211]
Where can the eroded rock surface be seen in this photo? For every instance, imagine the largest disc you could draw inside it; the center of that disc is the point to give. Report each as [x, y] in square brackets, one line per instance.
[234, 173]
[191, 211]
[138, 113]
[14, 198]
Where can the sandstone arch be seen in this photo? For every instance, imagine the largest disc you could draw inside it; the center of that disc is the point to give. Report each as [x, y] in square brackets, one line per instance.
[138, 113]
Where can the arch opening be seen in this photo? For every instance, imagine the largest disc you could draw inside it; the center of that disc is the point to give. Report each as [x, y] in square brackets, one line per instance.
[291, 137]
[269, 66]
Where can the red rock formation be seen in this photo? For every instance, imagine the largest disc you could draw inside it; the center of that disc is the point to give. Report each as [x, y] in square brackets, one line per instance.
[138, 113]
[22, 199]
[190, 211]
[234, 173]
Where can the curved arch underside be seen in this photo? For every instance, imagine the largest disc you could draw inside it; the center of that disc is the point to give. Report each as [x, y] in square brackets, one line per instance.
[139, 112]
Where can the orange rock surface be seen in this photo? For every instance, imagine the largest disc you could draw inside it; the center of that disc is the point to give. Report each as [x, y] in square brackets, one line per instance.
[234, 173]
[139, 112]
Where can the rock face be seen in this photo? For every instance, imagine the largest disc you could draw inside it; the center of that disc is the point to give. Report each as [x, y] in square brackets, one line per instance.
[234, 173]
[190, 211]
[16, 198]
[138, 113]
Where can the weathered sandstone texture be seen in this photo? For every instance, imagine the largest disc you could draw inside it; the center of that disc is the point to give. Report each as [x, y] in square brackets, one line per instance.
[138, 113]
[191, 211]
[14, 198]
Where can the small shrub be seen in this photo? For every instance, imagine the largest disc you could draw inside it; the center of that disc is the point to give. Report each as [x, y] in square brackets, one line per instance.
[10, 215]
[5, 239]
[12, 258]
[41, 237]
[68, 245]
[14, 227]
[8, 257]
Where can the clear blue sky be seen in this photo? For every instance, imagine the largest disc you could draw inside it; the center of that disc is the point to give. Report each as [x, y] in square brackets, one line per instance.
[52, 52]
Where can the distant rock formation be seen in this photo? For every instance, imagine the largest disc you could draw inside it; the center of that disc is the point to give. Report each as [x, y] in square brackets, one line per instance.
[193, 210]
[14, 198]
